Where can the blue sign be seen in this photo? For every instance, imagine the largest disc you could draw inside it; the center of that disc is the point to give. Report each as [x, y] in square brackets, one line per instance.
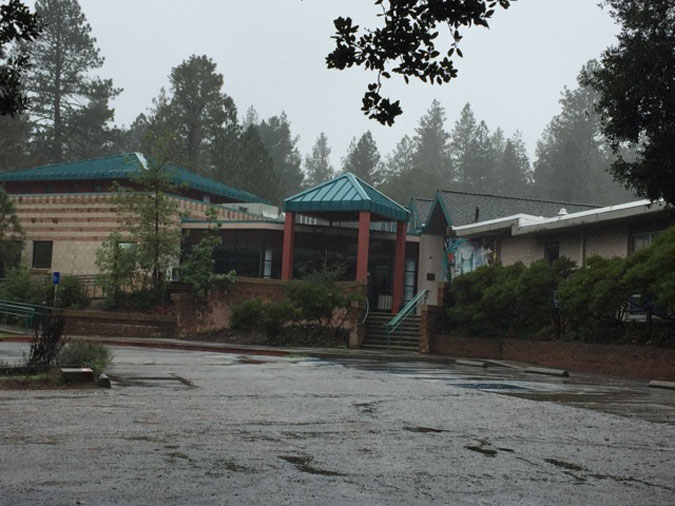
[56, 277]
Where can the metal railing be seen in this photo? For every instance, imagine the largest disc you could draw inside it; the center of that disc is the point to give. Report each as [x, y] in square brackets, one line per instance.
[21, 314]
[407, 310]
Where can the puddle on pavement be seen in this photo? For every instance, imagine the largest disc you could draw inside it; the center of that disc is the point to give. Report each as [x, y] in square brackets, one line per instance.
[249, 360]
[491, 386]
[152, 381]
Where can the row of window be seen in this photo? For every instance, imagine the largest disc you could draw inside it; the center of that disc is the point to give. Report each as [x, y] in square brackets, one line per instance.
[638, 241]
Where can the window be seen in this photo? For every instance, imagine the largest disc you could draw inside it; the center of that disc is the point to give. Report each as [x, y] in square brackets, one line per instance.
[42, 254]
[642, 240]
[552, 252]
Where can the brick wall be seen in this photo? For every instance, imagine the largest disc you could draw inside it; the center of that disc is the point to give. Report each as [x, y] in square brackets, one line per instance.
[100, 323]
[195, 317]
[639, 362]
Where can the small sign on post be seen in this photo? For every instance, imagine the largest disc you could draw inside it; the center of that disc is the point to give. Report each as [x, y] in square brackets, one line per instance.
[56, 278]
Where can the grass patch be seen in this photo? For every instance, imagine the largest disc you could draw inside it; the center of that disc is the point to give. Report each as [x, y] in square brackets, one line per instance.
[50, 380]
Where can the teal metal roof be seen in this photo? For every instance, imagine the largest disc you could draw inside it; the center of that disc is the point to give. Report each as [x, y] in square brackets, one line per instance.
[345, 195]
[122, 167]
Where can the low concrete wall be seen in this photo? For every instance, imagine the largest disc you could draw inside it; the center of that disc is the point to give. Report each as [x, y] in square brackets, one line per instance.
[110, 324]
[640, 362]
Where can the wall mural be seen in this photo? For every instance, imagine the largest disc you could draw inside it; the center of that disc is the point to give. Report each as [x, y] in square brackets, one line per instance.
[465, 255]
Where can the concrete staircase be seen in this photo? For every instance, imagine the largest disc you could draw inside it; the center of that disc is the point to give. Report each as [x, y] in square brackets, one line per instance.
[405, 338]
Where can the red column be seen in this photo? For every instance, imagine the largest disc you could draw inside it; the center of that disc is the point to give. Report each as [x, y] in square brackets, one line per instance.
[362, 251]
[399, 266]
[289, 244]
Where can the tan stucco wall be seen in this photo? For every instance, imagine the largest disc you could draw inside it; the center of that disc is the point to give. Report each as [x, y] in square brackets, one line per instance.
[611, 241]
[525, 249]
[77, 225]
[576, 245]
[430, 261]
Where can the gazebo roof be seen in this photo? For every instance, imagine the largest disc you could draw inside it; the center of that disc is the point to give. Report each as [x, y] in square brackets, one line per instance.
[341, 199]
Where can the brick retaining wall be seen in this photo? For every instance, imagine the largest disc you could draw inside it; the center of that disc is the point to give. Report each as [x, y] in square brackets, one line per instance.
[195, 317]
[113, 324]
[640, 362]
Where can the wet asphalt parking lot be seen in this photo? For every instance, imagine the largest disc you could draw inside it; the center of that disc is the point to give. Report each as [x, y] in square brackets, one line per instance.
[181, 427]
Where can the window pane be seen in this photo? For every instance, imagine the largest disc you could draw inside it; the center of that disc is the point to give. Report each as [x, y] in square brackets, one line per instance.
[42, 254]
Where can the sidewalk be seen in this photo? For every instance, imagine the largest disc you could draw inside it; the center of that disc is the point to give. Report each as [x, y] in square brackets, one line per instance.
[328, 353]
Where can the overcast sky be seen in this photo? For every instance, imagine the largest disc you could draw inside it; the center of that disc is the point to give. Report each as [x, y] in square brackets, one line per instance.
[272, 52]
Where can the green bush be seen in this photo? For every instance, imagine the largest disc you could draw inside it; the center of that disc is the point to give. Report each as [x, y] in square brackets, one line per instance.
[593, 300]
[247, 316]
[85, 354]
[72, 293]
[19, 286]
[307, 310]
[497, 300]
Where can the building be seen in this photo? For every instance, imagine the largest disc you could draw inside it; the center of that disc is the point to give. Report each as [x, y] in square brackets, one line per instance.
[613, 231]
[67, 210]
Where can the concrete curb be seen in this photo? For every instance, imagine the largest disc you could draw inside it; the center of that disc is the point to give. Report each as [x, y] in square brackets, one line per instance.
[667, 385]
[470, 363]
[548, 372]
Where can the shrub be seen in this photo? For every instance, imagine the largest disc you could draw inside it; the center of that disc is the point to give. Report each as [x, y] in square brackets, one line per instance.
[493, 300]
[72, 293]
[46, 344]
[247, 316]
[593, 300]
[309, 309]
[85, 354]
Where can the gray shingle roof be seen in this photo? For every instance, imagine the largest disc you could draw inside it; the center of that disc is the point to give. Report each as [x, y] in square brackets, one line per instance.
[461, 206]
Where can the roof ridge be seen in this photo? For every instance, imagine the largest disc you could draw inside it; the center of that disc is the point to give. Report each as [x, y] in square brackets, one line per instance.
[56, 164]
[361, 181]
[530, 199]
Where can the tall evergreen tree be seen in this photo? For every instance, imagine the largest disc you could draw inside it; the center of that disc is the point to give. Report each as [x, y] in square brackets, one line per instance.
[513, 171]
[65, 100]
[318, 168]
[14, 139]
[254, 168]
[195, 113]
[281, 146]
[462, 146]
[363, 159]
[432, 163]
[399, 172]
[572, 157]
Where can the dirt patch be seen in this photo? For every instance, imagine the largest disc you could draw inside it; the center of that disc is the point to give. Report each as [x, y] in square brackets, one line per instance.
[488, 452]
[565, 465]
[303, 463]
[423, 430]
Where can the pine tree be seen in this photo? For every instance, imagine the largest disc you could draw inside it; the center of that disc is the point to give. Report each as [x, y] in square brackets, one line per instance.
[399, 175]
[572, 158]
[363, 159]
[281, 146]
[318, 168]
[462, 147]
[65, 101]
[194, 113]
[254, 168]
[513, 171]
[14, 139]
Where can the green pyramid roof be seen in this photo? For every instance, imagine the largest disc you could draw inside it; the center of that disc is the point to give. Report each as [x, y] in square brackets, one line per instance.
[123, 167]
[341, 199]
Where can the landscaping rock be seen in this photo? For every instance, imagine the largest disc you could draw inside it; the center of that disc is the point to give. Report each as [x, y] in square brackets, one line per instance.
[104, 381]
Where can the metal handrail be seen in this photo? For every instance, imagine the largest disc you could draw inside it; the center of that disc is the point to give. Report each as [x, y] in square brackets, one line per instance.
[404, 313]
